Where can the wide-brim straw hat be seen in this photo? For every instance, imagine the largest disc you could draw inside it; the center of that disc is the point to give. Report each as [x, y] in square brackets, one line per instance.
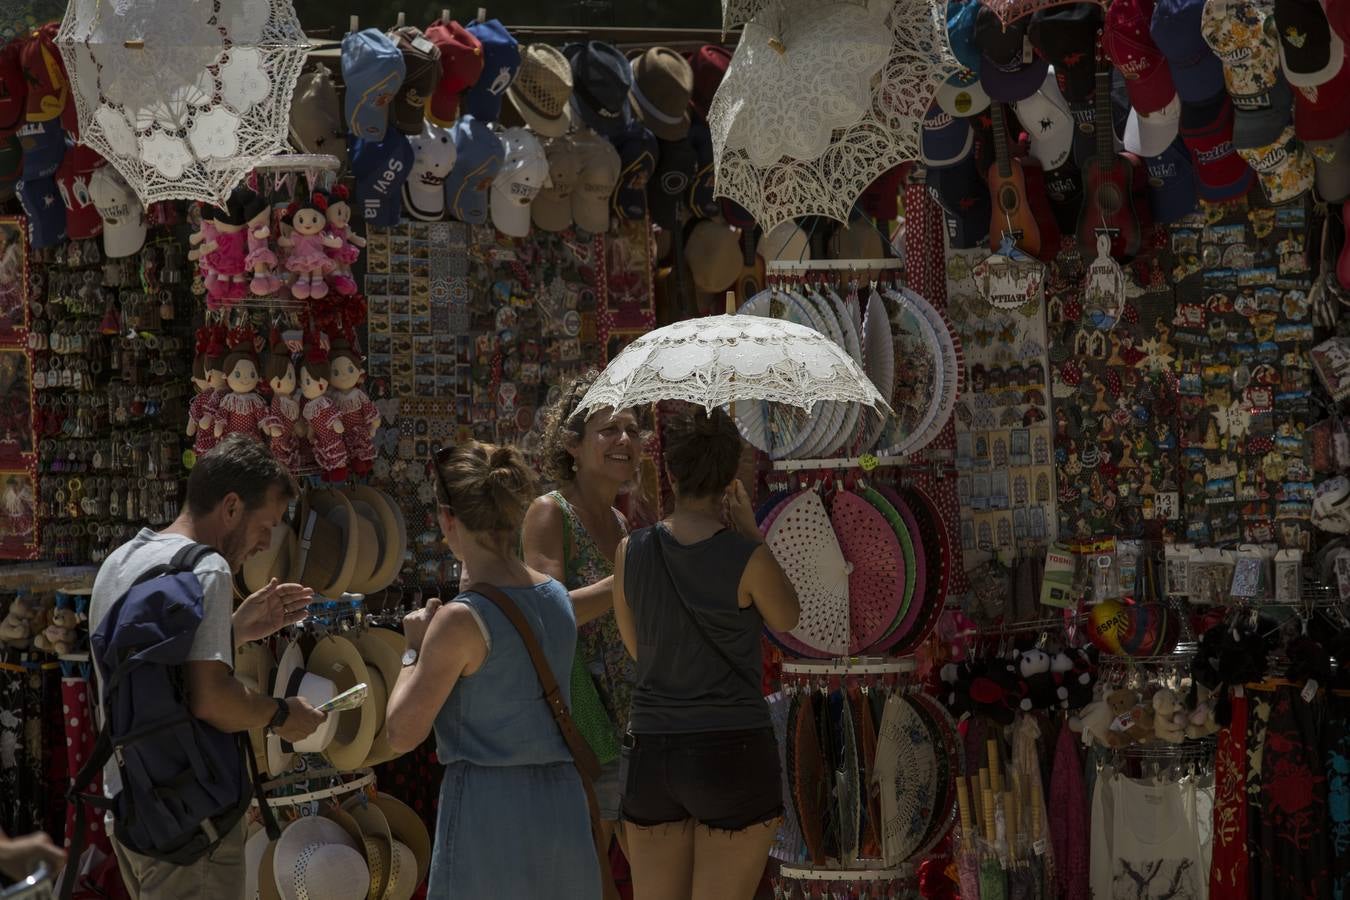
[325, 558]
[382, 649]
[391, 534]
[317, 858]
[274, 562]
[337, 659]
[407, 828]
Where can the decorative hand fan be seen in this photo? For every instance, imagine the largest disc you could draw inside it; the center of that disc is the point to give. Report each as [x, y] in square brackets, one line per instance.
[878, 362]
[808, 778]
[950, 759]
[906, 769]
[848, 787]
[876, 568]
[869, 843]
[789, 845]
[907, 549]
[843, 438]
[785, 641]
[804, 543]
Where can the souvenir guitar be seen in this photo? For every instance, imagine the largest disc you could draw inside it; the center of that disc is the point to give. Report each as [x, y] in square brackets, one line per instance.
[1011, 214]
[1108, 181]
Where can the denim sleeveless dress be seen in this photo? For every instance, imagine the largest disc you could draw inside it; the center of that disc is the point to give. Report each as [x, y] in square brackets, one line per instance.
[512, 818]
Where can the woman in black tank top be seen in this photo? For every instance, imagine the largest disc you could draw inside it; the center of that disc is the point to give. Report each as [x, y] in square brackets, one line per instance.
[691, 597]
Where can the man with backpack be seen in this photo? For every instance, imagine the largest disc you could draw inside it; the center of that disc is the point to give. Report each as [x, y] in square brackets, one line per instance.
[177, 773]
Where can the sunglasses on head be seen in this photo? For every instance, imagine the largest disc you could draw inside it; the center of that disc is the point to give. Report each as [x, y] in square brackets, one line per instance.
[439, 457]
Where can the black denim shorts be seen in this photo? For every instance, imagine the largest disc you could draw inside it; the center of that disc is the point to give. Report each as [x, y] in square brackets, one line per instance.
[728, 780]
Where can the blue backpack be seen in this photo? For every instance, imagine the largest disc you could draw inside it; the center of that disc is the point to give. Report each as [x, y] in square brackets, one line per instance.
[185, 785]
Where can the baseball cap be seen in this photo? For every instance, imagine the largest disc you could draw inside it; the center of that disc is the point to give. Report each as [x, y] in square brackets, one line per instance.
[46, 213]
[44, 146]
[1197, 73]
[946, 139]
[961, 94]
[1130, 46]
[701, 193]
[121, 211]
[1171, 183]
[552, 208]
[709, 65]
[542, 91]
[316, 116]
[1008, 70]
[13, 89]
[72, 181]
[478, 158]
[668, 190]
[596, 181]
[1049, 126]
[1331, 167]
[421, 74]
[1310, 52]
[501, 60]
[11, 165]
[663, 85]
[48, 87]
[524, 173]
[1322, 113]
[637, 154]
[1064, 192]
[967, 210]
[1152, 134]
[1207, 129]
[372, 73]
[461, 67]
[1236, 30]
[1065, 35]
[381, 169]
[601, 82]
[1284, 167]
[433, 158]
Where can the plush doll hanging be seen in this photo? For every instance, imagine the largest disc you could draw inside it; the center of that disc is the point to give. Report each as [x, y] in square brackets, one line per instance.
[242, 409]
[308, 246]
[208, 409]
[339, 215]
[283, 414]
[204, 235]
[321, 415]
[360, 418]
[261, 259]
[225, 255]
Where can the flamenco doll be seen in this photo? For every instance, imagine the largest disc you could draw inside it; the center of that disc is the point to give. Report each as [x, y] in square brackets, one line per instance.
[339, 216]
[204, 410]
[322, 416]
[308, 245]
[360, 418]
[282, 422]
[261, 261]
[242, 409]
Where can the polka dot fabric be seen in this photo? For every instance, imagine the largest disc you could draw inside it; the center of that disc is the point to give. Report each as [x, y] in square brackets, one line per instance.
[804, 543]
[78, 718]
[876, 568]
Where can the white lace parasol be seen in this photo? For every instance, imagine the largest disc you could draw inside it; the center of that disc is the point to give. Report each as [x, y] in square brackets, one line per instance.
[738, 12]
[719, 360]
[918, 59]
[183, 98]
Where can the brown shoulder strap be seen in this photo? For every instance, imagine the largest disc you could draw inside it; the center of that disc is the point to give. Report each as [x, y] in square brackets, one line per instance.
[582, 754]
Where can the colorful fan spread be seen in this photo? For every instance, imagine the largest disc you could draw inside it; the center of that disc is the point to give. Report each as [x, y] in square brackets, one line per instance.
[869, 567]
[870, 774]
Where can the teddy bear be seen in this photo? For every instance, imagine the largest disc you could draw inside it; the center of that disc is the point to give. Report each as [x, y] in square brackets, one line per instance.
[1093, 722]
[1131, 722]
[60, 634]
[16, 629]
[1169, 716]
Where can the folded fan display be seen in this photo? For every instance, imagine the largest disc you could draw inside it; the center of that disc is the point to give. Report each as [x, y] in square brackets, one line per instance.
[869, 566]
[869, 773]
[904, 345]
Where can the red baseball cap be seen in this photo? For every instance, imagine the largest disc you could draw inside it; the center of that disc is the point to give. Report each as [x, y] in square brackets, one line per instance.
[48, 87]
[461, 65]
[1127, 41]
[72, 182]
[1338, 16]
[1207, 128]
[709, 63]
[1322, 113]
[13, 89]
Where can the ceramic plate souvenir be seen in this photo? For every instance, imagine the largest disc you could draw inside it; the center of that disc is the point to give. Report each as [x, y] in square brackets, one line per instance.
[804, 543]
[775, 428]
[877, 578]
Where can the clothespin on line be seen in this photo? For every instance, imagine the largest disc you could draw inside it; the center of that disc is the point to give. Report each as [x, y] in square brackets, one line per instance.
[401, 20]
[353, 24]
[482, 14]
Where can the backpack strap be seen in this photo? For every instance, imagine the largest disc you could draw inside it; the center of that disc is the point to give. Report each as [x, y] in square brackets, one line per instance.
[187, 559]
[79, 796]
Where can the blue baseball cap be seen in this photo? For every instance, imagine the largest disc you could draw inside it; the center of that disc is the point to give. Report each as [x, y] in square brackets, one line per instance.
[372, 72]
[601, 82]
[1197, 74]
[478, 156]
[947, 139]
[44, 146]
[961, 15]
[380, 169]
[637, 155]
[44, 209]
[967, 211]
[1171, 183]
[501, 61]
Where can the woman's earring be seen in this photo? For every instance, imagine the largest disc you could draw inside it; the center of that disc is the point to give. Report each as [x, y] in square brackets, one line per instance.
[574, 466]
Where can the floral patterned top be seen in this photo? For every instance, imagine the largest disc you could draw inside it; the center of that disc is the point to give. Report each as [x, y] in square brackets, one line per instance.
[598, 641]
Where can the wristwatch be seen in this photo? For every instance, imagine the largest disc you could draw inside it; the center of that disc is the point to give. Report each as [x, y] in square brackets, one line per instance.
[280, 716]
[409, 657]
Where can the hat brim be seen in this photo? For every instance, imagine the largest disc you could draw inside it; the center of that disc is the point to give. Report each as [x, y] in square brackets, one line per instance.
[315, 570]
[1317, 77]
[279, 760]
[369, 846]
[964, 99]
[665, 130]
[382, 649]
[1150, 135]
[394, 537]
[538, 122]
[295, 842]
[274, 561]
[337, 658]
[374, 830]
[407, 827]
[1011, 86]
[609, 126]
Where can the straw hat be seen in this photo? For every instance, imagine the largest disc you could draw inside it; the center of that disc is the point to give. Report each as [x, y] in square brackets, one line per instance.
[337, 659]
[315, 857]
[253, 669]
[376, 853]
[274, 562]
[391, 538]
[713, 251]
[382, 649]
[378, 840]
[403, 872]
[786, 242]
[858, 239]
[326, 557]
[294, 679]
[254, 849]
[267, 875]
[408, 829]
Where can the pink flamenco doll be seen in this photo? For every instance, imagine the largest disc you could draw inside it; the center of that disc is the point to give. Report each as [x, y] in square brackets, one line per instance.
[308, 245]
[322, 416]
[360, 418]
[261, 259]
[282, 422]
[339, 225]
[242, 409]
[205, 234]
[205, 407]
[225, 255]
